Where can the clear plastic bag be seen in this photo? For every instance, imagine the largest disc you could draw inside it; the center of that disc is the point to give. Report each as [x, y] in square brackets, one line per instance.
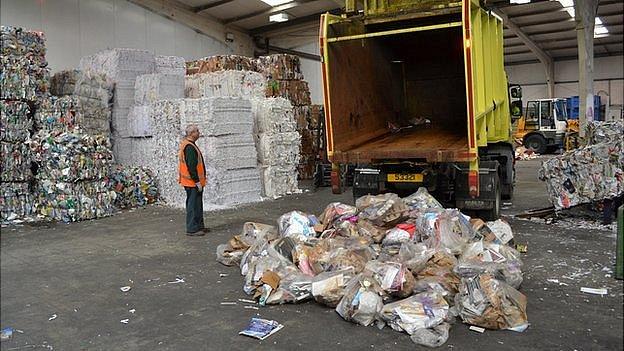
[296, 224]
[362, 300]
[329, 287]
[392, 277]
[421, 311]
[421, 200]
[448, 229]
[253, 232]
[415, 256]
[227, 256]
[336, 210]
[502, 261]
[367, 229]
[490, 303]
[383, 210]
[432, 337]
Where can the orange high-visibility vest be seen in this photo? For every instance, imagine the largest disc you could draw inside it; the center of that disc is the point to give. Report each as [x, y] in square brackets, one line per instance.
[184, 176]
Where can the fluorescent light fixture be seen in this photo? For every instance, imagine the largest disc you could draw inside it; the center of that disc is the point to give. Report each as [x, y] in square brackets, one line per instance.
[275, 2]
[280, 17]
[599, 29]
[519, 1]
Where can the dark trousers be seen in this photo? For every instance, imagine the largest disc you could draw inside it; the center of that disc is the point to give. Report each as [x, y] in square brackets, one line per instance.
[194, 210]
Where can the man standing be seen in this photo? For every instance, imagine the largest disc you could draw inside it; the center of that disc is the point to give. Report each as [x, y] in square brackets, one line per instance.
[192, 176]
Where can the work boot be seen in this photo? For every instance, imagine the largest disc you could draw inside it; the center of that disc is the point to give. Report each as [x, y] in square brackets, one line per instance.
[205, 230]
[197, 233]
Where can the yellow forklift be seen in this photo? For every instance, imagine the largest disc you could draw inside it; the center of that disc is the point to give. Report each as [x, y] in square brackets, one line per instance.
[545, 124]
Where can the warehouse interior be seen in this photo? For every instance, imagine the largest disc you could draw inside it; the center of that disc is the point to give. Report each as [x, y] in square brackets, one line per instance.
[312, 174]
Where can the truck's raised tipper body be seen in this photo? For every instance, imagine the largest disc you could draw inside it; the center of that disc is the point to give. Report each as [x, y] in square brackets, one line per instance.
[416, 95]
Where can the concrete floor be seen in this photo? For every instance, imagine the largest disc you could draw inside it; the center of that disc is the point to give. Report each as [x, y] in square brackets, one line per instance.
[75, 271]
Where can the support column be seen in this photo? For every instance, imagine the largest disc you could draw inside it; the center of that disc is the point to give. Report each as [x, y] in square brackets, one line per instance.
[585, 18]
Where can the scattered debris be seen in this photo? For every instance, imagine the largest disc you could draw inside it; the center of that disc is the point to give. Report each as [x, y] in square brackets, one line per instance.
[132, 311]
[223, 275]
[178, 280]
[251, 307]
[124, 321]
[593, 291]
[261, 328]
[522, 248]
[228, 303]
[477, 329]
[522, 154]
[247, 301]
[7, 333]
[125, 288]
[52, 317]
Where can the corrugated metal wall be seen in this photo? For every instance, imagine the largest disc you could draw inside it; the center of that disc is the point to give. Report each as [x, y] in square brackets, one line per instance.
[76, 28]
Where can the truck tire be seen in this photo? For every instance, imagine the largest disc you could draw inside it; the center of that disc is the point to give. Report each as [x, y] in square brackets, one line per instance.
[494, 213]
[536, 143]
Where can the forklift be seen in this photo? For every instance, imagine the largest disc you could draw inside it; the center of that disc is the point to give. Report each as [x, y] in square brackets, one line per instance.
[544, 124]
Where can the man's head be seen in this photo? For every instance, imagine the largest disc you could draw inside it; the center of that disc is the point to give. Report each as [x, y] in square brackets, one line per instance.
[192, 132]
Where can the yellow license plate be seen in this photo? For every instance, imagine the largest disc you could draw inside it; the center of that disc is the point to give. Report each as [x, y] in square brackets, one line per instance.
[405, 178]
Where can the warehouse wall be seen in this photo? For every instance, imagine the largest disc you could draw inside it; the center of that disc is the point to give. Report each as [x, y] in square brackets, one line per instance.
[608, 76]
[76, 28]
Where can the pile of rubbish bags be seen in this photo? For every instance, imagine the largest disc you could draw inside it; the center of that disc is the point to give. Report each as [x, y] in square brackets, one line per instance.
[134, 186]
[588, 174]
[25, 74]
[406, 263]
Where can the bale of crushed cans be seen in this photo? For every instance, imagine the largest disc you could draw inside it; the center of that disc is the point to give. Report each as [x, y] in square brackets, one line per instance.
[25, 74]
[72, 182]
[134, 186]
[588, 174]
[409, 264]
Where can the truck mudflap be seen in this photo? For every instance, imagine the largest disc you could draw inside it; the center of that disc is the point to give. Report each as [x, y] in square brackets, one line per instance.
[489, 188]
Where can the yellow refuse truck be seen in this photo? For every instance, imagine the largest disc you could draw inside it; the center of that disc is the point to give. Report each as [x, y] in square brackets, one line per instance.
[415, 94]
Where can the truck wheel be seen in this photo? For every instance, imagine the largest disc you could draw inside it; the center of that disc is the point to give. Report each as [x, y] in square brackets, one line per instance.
[536, 143]
[494, 213]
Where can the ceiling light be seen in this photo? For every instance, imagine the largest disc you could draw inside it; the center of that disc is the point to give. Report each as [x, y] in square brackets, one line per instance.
[280, 17]
[599, 29]
[275, 2]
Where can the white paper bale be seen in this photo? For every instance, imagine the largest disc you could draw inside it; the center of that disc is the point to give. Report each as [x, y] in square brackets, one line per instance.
[218, 116]
[120, 64]
[170, 65]
[150, 88]
[232, 187]
[278, 181]
[282, 148]
[233, 151]
[139, 124]
[273, 115]
[245, 84]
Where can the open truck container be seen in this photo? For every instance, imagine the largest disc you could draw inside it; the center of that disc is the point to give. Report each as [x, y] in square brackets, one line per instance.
[416, 95]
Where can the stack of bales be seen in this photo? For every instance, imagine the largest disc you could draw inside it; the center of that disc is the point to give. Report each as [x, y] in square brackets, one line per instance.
[23, 81]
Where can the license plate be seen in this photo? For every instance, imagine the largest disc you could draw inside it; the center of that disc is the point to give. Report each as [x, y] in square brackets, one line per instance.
[405, 178]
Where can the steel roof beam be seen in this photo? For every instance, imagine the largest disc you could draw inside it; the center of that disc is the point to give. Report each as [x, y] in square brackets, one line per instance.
[202, 8]
[544, 58]
[272, 10]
